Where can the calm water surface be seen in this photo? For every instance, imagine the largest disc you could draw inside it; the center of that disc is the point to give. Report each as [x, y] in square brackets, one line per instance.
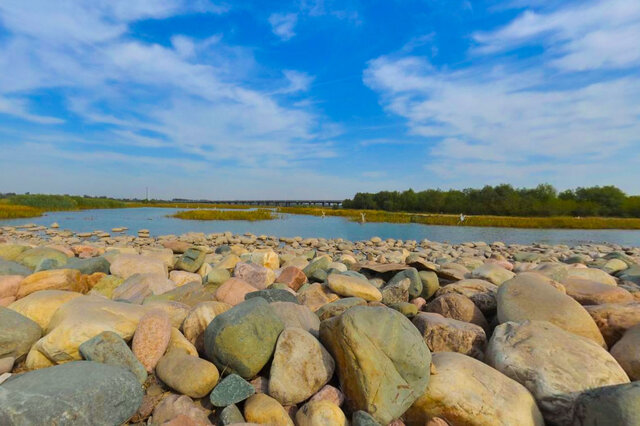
[157, 222]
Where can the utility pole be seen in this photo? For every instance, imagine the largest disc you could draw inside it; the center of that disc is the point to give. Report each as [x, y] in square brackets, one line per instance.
[147, 193]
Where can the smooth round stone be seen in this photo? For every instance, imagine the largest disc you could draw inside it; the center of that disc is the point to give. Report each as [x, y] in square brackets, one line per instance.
[187, 374]
[296, 315]
[217, 276]
[320, 413]
[179, 409]
[336, 308]
[481, 292]
[231, 390]
[329, 393]
[109, 348]
[125, 265]
[627, 352]
[609, 405]
[151, 338]
[56, 279]
[458, 307]
[263, 409]
[230, 415]
[415, 282]
[233, 291]
[430, 283]
[493, 273]
[178, 341]
[449, 335]
[75, 393]
[397, 292]
[362, 418]
[106, 286]
[273, 295]
[199, 318]
[301, 366]
[242, 339]
[17, 334]
[349, 286]
[191, 260]
[32, 257]
[8, 267]
[407, 309]
[89, 266]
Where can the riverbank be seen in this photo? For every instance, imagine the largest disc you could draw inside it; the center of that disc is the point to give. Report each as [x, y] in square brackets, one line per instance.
[210, 214]
[221, 328]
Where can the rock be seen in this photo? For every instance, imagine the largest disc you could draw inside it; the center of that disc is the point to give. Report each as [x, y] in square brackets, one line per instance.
[614, 319]
[125, 265]
[9, 285]
[231, 390]
[551, 363]
[191, 260]
[151, 338]
[242, 339]
[481, 292]
[178, 341]
[609, 405]
[181, 278]
[362, 418]
[528, 297]
[109, 348]
[466, 391]
[176, 246]
[397, 292]
[179, 406]
[217, 277]
[329, 393]
[493, 273]
[407, 309]
[319, 263]
[42, 305]
[260, 384]
[106, 286]
[458, 307]
[293, 277]
[449, 335]
[263, 409]
[258, 276]
[301, 366]
[265, 257]
[337, 307]
[382, 360]
[13, 268]
[632, 274]
[137, 287]
[320, 413]
[430, 283]
[591, 274]
[296, 315]
[273, 295]
[190, 294]
[17, 334]
[230, 415]
[6, 365]
[627, 352]
[415, 282]
[345, 285]
[11, 251]
[199, 318]
[88, 266]
[58, 279]
[187, 374]
[33, 257]
[176, 311]
[233, 291]
[587, 292]
[316, 296]
[76, 393]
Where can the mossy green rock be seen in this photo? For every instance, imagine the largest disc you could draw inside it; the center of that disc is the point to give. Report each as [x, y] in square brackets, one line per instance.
[8, 267]
[109, 348]
[191, 260]
[17, 333]
[272, 295]
[362, 418]
[319, 264]
[89, 266]
[383, 362]
[430, 283]
[75, 393]
[217, 276]
[231, 390]
[242, 339]
[11, 251]
[230, 415]
[415, 286]
[107, 285]
[397, 292]
[407, 309]
[31, 258]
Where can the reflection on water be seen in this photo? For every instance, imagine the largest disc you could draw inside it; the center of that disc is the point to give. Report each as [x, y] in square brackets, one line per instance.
[157, 222]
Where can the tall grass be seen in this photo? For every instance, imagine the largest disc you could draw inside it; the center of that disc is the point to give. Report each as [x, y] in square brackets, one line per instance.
[8, 211]
[64, 202]
[251, 215]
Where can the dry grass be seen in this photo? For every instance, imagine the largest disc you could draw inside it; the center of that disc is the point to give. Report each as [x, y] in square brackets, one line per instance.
[251, 215]
[8, 211]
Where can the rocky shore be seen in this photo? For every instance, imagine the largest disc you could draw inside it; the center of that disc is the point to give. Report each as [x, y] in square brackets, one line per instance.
[102, 328]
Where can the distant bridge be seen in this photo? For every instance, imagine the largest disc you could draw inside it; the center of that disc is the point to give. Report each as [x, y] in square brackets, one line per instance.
[284, 203]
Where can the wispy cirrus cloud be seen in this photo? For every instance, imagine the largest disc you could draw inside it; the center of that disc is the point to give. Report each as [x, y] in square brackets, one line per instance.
[283, 24]
[509, 115]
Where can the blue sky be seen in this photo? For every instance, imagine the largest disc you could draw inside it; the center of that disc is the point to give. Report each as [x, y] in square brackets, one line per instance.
[316, 98]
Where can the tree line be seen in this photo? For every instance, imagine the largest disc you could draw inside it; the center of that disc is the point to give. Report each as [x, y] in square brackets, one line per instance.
[505, 200]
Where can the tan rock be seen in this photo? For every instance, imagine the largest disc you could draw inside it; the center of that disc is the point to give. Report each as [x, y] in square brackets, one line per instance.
[587, 292]
[528, 297]
[320, 413]
[262, 409]
[151, 338]
[349, 286]
[481, 292]
[614, 319]
[176, 406]
[265, 257]
[55, 279]
[183, 277]
[295, 315]
[177, 311]
[316, 296]
[329, 393]
[42, 305]
[301, 366]
[9, 285]
[458, 307]
[179, 342]
[492, 273]
[125, 265]
[233, 291]
[199, 318]
[449, 335]
[256, 275]
[554, 364]
[464, 391]
[186, 374]
[137, 287]
[592, 274]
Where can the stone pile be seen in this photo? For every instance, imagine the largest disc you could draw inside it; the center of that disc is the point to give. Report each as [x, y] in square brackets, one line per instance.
[226, 329]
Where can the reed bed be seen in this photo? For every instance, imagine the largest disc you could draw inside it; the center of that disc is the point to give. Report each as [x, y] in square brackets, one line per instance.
[63, 202]
[250, 215]
[8, 211]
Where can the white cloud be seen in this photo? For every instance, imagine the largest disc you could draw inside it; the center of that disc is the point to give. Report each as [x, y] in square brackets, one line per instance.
[504, 118]
[283, 24]
[19, 108]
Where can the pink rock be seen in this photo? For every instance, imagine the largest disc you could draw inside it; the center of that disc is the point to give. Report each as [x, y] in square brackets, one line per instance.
[292, 277]
[256, 275]
[6, 301]
[260, 384]
[64, 249]
[175, 407]
[398, 422]
[329, 393]
[233, 291]
[151, 338]
[291, 411]
[436, 421]
[9, 285]
[6, 364]
[176, 246]
[419, 302]
[502, 263]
